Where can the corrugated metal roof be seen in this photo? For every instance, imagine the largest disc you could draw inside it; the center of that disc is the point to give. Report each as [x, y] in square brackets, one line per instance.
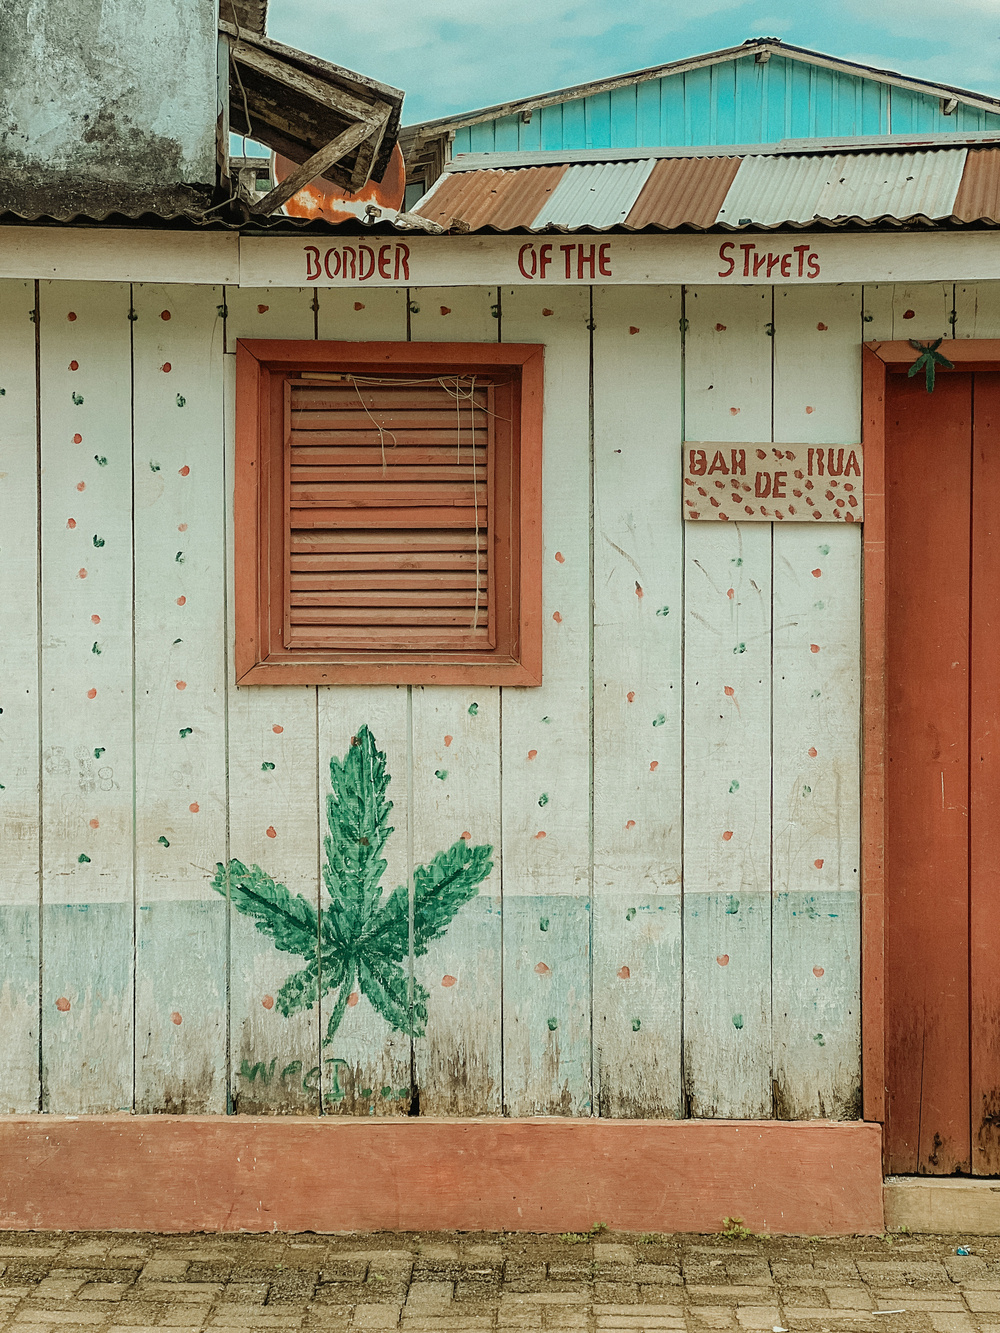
[958, 184]
[597, 196]
[684, 190]
[979, 193]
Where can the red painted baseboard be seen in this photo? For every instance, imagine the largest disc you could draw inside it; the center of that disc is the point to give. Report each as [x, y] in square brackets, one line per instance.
[241, 1173]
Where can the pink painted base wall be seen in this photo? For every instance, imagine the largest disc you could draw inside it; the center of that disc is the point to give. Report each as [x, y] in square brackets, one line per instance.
[240, 1173]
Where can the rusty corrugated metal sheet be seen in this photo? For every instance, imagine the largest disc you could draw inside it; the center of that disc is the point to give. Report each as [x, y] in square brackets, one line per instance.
[598, 195]
[979, 193]
[500, 199]
[683, 190]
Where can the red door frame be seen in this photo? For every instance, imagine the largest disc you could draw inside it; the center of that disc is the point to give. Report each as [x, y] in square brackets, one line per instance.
[880, 359]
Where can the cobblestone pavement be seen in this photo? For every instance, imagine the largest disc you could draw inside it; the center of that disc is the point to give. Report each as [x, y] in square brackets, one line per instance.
[126, 1283]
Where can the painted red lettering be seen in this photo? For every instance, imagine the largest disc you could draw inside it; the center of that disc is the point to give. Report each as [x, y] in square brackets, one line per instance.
[801, 251]
[738, 464]
[758, 263]
[332, 272]
[835, 468]
[604, 259]
[778, 489]
[853, 468]
[772, 263]
[718, 464]
[544, 258]
[527, 249]
[349, 251]
[813, 266]
[365, 253]
[762, 485]
[568, 252]
[786, 266]
[727, 258]
[402, 265]
[383, 261]
[697, 462]
[312, 262]
[748, 250]
[588, 258]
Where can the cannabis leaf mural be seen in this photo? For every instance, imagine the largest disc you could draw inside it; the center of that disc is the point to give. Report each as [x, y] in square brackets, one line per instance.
[359, 936]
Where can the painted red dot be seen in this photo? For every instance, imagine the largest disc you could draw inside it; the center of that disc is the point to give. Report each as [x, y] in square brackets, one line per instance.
[62, 1004]
[181, 601]
[734, 411]
[184, 471]
[814, 647]
[271, 831]
[81, 573]
[542, 969]
[624, 972]
[446, 310]
[908, 314]
[812, 752]
[268, 1001]
[810, 411]
[730, 593]
[541, 834]
[448, 981]
[532, 753]
[723, 960]
[448, 740]
[631, 696]
[352, 999]
[71, 316]
[638, 590]
[91, 693]
[81, 485]
[95, 620]
[727, 836]
[176, 1019]
[818, 971]
[557, 617]
[654, 765]
[729, 691]
[95, 823]
[194, 807]
[181, 684]
[720, 328]
[277, 730]
[630, 823]
[818, 863]
[466, 835]
[359, 305]
[263, 309]
[546, 312]
[164, 314]
[71, 522]
[560, 558]
[74, 365]
[821, 326]
[166, 367]
[817, 573]
[78, 439]
[632, 329]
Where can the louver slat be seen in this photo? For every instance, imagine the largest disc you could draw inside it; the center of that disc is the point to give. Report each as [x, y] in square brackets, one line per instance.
[388, 507]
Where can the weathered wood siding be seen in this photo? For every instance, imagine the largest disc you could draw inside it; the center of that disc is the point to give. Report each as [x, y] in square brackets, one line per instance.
[671, 924]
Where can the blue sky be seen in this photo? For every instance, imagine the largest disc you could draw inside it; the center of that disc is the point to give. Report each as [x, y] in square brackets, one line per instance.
[455, 55]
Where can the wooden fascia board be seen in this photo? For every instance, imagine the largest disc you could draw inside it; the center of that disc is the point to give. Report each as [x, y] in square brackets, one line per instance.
[963, 353]
[317, 68]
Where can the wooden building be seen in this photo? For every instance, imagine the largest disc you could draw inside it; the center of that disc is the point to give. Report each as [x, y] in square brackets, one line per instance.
[602, 531]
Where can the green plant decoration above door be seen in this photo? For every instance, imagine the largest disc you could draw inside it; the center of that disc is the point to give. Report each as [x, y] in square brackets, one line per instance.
[358, 936]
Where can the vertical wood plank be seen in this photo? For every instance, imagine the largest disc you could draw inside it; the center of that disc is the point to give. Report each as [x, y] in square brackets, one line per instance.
[180, 627]
[727, 726]
[984, 772]
[366, 1068]
[923, 311]
[816, 707]
[273, 805]
[977, 310]
[456, 792]
[20, 772]
[638, 620]
[545, 740]
[87, 717]
[928, 467]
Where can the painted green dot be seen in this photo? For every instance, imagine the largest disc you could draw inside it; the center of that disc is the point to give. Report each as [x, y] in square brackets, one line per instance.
[734, 786]
[3, 393]
[98, 541]
[181, 400]
[543, 923]
[636, 1024]
[546, 719]
[78, 398]
[387, 1092]
[659, 720]
[740, 648]
[223, 311]
[162, 841]
[473, 709]
[824, 549]
[266, 767]
[544, 798]
[96, 649]
[815, 694]
[553, 1024]
[176, 642]
[100, 460]
[441, 773]
[179, 558]
[2, 787]
[185, 732]
[737, 1021]
[807, 791]
[98, 752]
[153, 467]
[403, 1092]
[737, 560]
[819, 1039]
[732, 905]
[366, 1092]
[83, 859]
[663, 611]
[820, 606]
[630, 914]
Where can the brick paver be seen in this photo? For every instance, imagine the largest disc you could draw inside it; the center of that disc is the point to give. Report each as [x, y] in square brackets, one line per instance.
[603, 1283]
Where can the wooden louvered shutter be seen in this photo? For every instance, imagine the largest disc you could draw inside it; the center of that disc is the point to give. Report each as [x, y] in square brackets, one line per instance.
[389, 513]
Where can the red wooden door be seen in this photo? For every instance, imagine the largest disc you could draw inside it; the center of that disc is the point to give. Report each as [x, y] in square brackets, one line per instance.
[943, 774]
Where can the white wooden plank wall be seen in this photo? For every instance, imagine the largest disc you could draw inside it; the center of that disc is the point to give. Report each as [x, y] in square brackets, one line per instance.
[19, 753]
[180, 698]
[579, 981]
[638, 624]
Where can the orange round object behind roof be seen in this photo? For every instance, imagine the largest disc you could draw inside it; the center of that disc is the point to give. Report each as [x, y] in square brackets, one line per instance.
[322, 199]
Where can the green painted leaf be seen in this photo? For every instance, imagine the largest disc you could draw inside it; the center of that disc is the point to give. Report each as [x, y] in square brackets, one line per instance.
[357, 813]
[288, 918]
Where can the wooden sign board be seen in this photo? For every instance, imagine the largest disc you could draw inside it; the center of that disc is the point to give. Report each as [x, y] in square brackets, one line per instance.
[773, 483]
